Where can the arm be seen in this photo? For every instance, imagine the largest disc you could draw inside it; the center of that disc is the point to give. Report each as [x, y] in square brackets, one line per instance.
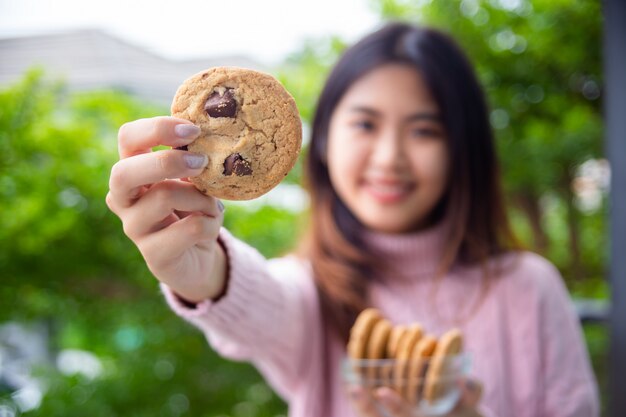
[263, 317]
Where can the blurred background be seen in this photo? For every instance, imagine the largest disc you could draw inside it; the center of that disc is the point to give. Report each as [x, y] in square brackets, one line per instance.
[83, 327]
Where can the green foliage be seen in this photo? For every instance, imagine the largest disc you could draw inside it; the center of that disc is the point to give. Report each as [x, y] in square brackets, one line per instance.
[271, 230]
[55, 229]
[154, 365]
[303, 74]
[65, 261]
[539, 62]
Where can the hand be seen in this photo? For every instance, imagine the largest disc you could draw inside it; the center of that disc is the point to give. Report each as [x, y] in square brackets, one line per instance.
[391, 404]
[174, 226]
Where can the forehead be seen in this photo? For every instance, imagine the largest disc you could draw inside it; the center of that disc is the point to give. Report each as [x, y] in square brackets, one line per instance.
[393, 88]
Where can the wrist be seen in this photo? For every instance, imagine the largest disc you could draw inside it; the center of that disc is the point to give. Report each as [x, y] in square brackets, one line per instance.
[212, 287]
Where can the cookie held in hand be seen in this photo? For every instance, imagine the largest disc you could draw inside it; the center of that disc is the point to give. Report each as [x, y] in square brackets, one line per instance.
[250, 130]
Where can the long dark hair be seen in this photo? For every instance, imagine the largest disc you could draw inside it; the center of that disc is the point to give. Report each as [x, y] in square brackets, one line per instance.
[473, 203]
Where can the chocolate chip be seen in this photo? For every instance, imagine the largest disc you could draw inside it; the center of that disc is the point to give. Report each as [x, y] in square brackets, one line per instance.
[235, 164]
[182, 148]
[221, 105]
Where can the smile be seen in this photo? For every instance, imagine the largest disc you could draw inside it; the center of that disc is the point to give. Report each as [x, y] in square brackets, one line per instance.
[388, 192]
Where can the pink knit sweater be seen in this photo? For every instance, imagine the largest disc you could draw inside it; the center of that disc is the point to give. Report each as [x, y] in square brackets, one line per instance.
[523, 336]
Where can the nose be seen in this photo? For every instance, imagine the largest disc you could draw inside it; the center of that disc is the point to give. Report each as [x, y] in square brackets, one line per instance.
[388, 152]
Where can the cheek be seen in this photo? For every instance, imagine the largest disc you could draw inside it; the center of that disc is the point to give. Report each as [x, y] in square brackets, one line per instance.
[433, 168]
[338, 165]
[344, 157]
[333, 154]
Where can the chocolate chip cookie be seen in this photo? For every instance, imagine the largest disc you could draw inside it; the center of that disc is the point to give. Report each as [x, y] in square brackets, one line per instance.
[251, 130]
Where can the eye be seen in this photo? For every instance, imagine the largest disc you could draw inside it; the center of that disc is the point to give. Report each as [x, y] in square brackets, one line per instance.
[364, 125]
[426, 132]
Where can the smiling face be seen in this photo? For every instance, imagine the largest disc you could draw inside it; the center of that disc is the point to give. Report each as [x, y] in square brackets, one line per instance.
[387, 153]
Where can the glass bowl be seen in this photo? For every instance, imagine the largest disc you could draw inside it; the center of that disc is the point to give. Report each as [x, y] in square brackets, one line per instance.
[430, 386]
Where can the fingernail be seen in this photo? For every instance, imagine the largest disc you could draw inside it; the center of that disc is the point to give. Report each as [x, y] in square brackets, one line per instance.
[195, 161]
[185, 131]
[220, 206]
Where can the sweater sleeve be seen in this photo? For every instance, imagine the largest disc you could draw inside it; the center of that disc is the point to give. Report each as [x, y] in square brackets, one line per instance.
[569, 382]
[263, 316]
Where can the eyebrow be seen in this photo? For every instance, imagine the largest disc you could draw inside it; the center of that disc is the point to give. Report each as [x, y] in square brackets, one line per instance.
[412, 118]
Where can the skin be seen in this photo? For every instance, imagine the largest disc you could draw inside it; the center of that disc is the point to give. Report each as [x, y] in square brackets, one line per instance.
[387, 153]
[387, 159]
[174, 226]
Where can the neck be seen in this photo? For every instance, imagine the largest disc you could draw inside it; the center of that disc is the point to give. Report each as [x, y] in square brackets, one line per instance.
[415, 255]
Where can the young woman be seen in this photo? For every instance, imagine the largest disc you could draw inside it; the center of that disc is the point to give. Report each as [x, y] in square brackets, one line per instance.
[406, 216]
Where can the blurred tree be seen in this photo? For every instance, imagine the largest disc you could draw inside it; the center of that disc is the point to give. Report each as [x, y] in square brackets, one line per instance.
[303, 74]
[540, 64]
[65, 262]
[304, 71]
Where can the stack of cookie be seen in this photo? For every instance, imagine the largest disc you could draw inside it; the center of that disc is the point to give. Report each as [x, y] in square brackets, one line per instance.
[407, 359]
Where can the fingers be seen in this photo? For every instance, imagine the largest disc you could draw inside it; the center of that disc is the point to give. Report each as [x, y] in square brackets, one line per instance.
[390, 403]
[140, 136]
[130, 176]
[164, 203]
[393, 403]
[395, 406]
[363, 403]
[471, 393]
[170, 243]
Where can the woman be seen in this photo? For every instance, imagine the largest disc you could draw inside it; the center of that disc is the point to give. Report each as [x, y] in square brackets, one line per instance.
[406, 216]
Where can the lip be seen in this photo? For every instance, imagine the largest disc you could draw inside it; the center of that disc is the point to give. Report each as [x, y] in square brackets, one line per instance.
[388, 191]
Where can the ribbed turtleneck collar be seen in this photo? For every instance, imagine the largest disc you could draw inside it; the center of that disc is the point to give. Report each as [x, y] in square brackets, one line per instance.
[414, 255]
